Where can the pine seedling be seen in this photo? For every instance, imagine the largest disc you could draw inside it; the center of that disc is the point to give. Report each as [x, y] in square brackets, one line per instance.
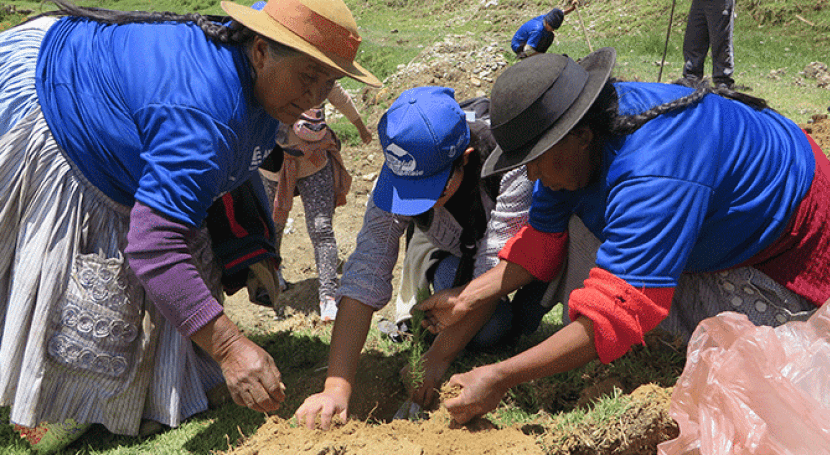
[418, 344]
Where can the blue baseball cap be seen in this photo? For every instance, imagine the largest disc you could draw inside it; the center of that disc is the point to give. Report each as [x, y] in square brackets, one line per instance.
[422, 134]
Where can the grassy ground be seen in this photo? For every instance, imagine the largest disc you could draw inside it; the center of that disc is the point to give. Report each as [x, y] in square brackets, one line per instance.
[773, 44]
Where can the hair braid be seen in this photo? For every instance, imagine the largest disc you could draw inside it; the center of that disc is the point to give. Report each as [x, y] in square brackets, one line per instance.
[627, 124]
[213, 26]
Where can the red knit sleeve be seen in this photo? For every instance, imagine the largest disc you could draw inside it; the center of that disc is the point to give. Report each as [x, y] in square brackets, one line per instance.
[621, 314]
[539, 253]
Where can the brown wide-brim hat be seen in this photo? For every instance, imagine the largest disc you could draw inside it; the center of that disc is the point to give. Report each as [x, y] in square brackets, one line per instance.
[322, 29]
[537, 101]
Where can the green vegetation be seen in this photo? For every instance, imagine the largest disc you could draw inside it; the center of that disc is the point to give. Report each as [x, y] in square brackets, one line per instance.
[774, 41]
[417, 345]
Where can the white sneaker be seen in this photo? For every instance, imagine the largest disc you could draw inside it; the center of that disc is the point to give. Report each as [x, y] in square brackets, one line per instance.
[328, 309]
[283, 283]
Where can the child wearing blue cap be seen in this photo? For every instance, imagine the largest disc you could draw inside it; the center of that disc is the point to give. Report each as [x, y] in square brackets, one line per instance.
[536, 35]
[430, 181]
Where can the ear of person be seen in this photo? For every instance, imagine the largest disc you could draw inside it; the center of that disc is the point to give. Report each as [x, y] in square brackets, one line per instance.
[467, 155]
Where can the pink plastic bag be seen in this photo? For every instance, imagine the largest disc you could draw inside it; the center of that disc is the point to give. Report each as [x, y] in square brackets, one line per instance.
[754, 390]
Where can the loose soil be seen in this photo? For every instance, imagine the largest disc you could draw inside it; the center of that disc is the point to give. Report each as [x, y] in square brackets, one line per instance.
[370, 429]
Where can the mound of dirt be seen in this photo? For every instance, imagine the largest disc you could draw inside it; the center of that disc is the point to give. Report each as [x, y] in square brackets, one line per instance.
[819, 129]
[437, 435]
[644, 424]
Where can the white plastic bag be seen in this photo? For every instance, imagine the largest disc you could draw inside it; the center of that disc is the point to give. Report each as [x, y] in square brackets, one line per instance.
[747, 389]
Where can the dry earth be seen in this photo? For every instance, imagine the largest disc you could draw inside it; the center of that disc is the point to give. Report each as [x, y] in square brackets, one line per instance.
[370, 429]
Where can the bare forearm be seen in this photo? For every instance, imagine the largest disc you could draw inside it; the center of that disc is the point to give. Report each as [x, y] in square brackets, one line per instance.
[494, 284]
[450, 342]
[361, 127]
[347, 339]
[569, 348]
[452, 306]
[217, 336]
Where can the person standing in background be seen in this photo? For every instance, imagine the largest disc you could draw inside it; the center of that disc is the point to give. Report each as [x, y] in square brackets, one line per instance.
[314, 169]
[710, 24]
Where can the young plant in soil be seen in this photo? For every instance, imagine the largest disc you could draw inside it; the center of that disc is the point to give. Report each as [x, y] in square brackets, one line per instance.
[418, 345]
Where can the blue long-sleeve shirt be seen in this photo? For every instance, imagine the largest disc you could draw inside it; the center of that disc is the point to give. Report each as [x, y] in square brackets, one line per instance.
[146, 121]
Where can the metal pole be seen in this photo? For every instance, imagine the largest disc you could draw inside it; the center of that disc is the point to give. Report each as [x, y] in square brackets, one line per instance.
[666, 48]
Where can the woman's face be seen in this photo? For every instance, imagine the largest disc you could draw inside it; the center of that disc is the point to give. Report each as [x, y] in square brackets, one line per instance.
[288, 86]
[567, 165]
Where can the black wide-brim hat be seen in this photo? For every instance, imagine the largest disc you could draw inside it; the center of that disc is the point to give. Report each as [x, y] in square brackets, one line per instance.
[537, 101]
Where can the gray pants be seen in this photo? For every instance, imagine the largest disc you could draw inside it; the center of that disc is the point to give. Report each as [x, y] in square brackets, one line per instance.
[710, 23]
[317, 194]
[698, 296]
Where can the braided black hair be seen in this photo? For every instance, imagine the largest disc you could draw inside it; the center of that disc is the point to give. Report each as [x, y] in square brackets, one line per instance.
[214, 27]
[604, 119]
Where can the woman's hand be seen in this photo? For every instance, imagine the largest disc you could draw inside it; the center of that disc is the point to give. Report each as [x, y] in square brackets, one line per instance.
[326, 404]
[450, 306]
[480, 394]
[252, 377]
[443, 309]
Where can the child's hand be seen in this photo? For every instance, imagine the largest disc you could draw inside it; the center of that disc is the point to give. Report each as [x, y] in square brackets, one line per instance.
[326, 404]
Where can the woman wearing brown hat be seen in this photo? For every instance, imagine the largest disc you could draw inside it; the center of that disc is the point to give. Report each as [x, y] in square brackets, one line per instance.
[698, 203]
[118, 132]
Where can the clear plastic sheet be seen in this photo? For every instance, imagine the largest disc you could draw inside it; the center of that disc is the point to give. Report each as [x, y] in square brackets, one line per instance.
[747, 389]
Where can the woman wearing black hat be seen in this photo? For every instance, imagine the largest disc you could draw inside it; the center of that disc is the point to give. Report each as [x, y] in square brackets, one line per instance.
[700, 203]
[119, 130]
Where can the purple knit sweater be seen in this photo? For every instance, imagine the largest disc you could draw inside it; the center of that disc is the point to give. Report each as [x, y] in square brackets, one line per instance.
[159, 254]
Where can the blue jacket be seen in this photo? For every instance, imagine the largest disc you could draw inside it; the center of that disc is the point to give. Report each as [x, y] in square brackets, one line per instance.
[145, 121]
[696, 190]
[534, 33]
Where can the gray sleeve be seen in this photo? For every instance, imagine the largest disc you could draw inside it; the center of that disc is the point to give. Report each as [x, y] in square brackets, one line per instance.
[367, 274]
[506, 219]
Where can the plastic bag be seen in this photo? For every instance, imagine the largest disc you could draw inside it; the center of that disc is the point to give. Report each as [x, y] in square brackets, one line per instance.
[747, 389]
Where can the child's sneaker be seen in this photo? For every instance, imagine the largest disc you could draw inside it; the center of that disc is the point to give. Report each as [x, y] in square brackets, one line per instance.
[283, 283]
[328, 309]
[48, 438]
